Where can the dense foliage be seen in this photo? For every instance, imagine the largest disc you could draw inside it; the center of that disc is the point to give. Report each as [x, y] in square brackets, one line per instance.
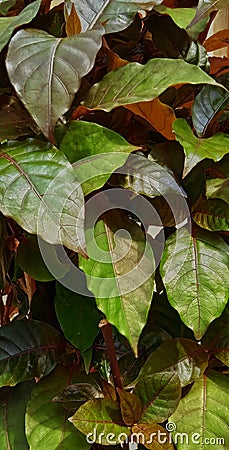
[114, 198]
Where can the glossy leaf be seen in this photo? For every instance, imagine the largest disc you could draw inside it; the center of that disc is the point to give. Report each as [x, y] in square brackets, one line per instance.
[196, 149]
[206, 107]
[183, 356]
[218, 188]
[47, 424]
[194, 415]
[159, 395]
[216, 340]
[8, 24]
[13, 402]
[75, 394]
[121, 276]
[56, 67]
[153, 436]
[88, 11]
[205, 7]
[73, 25]
[195, 273]
[46, 202]
[98, 419]
[147, 177]
[135, 83]
[29, 349]
[212, 214]
[30, 260]
[78, 317]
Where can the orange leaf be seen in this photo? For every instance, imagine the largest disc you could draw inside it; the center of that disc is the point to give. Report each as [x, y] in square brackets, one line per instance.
[152, 436]
[79, 112]
[217, 40]
[73, 25]
[218, 66]
[159, 115]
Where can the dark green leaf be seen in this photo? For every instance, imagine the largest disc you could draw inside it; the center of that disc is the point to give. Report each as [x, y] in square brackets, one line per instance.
[8, 24]
[47, 424]
[28, 349]
[75, 394]
[78, 317]
[159, 394]
[5, 5]
[56, 67]
[13, 402]
[15, 121]
[183, 356]
[29, 259]
[207, 105]
[140, 83]
[195, 273]
[47, 201]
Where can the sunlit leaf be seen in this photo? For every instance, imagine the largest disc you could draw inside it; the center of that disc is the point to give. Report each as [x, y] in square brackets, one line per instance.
[135, 83]
[13, 402]
[52, 214]
[180, 355]
[29, 349]
[98, 418]
[5, 5]
[202, 414]
[207, 105]
[120, 273]
[159, 394]
[218, 188]
[153, 436]
[8, 24]
[47, 424]
[56, 67]
[196, 149]
[195, 273]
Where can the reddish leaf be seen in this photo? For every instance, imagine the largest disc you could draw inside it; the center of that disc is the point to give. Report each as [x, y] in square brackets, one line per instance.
[217, 40]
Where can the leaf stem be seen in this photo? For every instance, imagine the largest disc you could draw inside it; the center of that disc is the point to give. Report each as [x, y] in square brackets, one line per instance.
[108, 338]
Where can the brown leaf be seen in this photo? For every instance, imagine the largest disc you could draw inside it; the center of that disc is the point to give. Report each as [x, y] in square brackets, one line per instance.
[219, 66]
[153, 436]
[79, 112]
[158, 114]
[73, 24]
[130, 407]
[217, 41]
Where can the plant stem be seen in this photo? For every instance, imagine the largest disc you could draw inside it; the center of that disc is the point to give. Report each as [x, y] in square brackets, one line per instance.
[108, 338]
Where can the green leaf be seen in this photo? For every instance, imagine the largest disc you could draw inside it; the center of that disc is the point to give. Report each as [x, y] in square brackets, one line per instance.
[216, 340]
[135, 83]
[47, 201]
[47, 424]
[13, 402]
[5, 253]
[83, 139]
[205, 7]
[56, 65]
[196, 149]
[183, 356]
[121, 276]
[5, 5]
[159, 395]
[29, 259]
[29, 349]
[212, 214]
[203, 414]
[78, 317]
[105, 150]
[8, 24]
[98, 418]
[207, 105]
[195, 273]
[75, 394]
